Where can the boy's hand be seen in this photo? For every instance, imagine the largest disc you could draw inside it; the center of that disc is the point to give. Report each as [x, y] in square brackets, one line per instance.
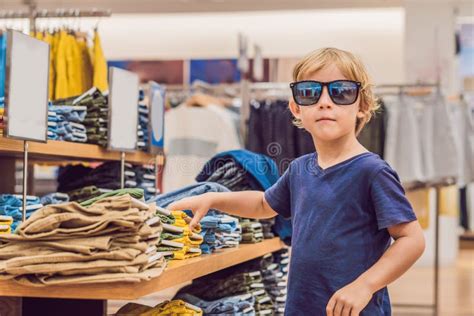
[350, 300]
[199, 205]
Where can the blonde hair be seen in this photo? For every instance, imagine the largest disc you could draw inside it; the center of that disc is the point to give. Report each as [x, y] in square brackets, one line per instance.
[351, 67]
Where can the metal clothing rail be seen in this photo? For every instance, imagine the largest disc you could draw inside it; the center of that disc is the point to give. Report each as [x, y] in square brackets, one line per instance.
[437, 186]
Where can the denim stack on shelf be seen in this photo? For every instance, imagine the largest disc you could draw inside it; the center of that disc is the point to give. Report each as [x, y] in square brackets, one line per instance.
[282, 259]
[65, 122]
[252, 231]
[142, 128]
[219, 231]
[146, 179]
[239, 283]
[11, 205]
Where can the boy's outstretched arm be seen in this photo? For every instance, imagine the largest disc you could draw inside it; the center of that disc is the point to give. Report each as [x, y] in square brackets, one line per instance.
[408, 247]
[250, 204]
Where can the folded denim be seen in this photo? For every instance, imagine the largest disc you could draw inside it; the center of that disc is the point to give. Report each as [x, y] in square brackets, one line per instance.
[233, 305]
[54, 198]
[70, 113]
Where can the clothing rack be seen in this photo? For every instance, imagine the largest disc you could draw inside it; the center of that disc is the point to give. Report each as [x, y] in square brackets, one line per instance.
[437, 186]
[33, 13]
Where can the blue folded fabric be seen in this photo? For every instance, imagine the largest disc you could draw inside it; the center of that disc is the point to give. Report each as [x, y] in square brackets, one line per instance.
[54, 198]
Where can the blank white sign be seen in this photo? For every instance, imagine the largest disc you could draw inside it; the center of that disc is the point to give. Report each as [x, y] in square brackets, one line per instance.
[26, 87]
[123, 109]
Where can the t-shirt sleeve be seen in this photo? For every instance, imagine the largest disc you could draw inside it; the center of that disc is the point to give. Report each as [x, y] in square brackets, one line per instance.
[278, 195]
[388, 196]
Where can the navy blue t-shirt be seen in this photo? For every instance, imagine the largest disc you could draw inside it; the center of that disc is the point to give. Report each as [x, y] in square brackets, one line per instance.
[340, 215]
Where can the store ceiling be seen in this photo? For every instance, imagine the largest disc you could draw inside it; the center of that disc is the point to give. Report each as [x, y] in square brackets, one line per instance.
[174, 6]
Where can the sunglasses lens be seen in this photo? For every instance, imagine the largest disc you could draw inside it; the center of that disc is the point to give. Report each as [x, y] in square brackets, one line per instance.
[307, 93]
[343, 92]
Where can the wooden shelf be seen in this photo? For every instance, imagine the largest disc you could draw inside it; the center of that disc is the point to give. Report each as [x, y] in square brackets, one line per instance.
[177, 272]
[59, 150]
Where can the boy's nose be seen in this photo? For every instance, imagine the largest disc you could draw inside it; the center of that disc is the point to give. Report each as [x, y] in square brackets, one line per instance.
[325, 101]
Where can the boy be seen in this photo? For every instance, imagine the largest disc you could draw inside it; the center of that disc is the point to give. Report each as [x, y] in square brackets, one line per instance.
[345, 202]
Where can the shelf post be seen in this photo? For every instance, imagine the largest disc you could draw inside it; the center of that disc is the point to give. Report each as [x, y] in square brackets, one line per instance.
[122, 170]
[25, 179]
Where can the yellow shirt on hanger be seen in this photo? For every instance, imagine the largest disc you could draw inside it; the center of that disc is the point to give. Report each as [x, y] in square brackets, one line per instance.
[86, 65]
[100, 65]
[61, 86]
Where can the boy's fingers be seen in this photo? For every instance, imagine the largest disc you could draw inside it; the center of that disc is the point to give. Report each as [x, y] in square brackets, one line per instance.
[330, 307]
[198, 215]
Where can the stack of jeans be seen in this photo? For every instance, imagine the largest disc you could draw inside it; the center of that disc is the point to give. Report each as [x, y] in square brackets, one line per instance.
[267, 227]
[11, 205]
[232, 305]
[111, 239]
[106, 176]
[67, 123]
[230, 175]
[146, 179]
[52, 125]
[84, 193]
[219, 231]
[96, 120]
[174, 307]
[54, 198]
[282, 259]
[142, 129]
[252, 231]
[229, 283]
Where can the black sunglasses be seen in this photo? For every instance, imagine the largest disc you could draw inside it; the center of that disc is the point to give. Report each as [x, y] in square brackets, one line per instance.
[341, 92]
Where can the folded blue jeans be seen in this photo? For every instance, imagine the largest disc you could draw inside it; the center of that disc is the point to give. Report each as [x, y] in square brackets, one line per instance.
[166, 199]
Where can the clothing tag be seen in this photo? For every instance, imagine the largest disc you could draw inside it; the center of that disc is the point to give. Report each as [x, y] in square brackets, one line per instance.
[149, 177]
[257, 285]
[264, 300]
[171, 228]
[258, 293]
[150, 249]
[172, 243]
[256, 225]
[155, 257]
[139, 204]
[153, 221]
[258, 235]
[129, 173]
[265, 312]
[273, 266]
[255, 273]
[194, 250]
[163, 211]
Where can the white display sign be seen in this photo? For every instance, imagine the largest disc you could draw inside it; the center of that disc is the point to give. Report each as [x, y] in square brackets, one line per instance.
[123, 109]
[26, 87]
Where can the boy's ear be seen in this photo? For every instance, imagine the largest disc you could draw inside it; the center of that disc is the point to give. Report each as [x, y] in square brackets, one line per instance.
[294, 108]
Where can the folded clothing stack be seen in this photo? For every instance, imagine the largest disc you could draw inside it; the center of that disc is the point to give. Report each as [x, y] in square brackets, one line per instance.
[174, 308]
[84, 193]
[142, 128]
[177, 240]
[229, 283]
[219, 231]
[231, 175]
[54, 198]
[146, 179]
[111, 240]
[6, 224]
[232, 305]
[12, 205]
[282, 260]
[267, 227]
[96, 119]
[65, 122]
[252, 231]
[105, 176]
